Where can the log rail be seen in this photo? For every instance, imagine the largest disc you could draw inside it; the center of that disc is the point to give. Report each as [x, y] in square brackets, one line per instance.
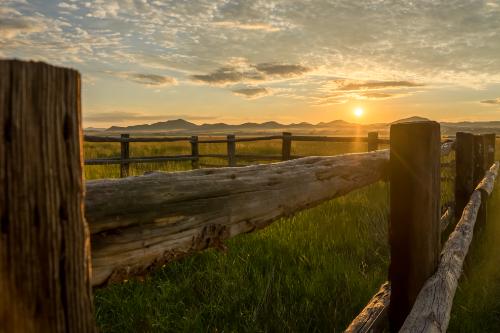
[144, 221]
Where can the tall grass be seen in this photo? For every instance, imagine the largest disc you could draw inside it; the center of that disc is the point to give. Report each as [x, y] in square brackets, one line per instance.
[312, 272]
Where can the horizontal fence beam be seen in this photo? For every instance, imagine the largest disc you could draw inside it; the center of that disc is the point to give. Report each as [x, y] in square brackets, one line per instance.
[330, 138]
[156, 218]
[432, 308]
[101, 161]
[374, 315]
[153, 219]
[446, 218]
[95, 138]
[447, 147]
[243, 139]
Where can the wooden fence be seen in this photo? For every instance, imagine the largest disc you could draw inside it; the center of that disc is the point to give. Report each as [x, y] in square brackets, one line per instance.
[372, 140]
[137, 223]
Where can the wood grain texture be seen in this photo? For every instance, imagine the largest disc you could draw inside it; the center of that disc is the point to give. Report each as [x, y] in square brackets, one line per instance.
[447, 148]
[144, 221]
[446, 218]
[44, 240]
[286, 146]
[488, 182]
[464, 174]
[414, 229]
[372, 318]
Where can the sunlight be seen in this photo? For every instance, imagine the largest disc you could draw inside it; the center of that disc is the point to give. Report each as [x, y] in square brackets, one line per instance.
[358, 112]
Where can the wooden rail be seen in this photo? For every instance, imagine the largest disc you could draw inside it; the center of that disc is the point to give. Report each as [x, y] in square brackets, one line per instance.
[134, 226]
[232, 156]
[374, 316]
[144, 221]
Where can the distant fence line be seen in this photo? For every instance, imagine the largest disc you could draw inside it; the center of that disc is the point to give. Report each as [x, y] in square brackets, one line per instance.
[372, 140]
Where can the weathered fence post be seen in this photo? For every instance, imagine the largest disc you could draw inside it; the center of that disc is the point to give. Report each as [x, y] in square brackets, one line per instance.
[489, 148]
[286, 146]
[479, 158]
[195, 164]
[44, 239]
[125, 155]
[231, 150]
[414, 233]
[484, 151]
[372, 141]
[464, 175]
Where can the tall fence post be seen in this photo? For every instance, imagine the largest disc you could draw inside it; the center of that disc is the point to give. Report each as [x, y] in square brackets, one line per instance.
[372, 141]
[125, 155]
[479, 158]
[195, 164]
[44, 238]
[489, 148]
[464, 167]
[484, 151]
[231, 150]
[414, 231]
[286, 146]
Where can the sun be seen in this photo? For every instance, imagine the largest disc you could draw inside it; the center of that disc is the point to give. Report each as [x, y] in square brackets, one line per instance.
[358, 112]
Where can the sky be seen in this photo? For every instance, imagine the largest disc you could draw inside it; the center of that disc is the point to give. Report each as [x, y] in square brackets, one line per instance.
[285, 60]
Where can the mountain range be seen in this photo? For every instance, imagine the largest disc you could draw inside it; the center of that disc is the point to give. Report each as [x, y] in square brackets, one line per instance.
[335, 127]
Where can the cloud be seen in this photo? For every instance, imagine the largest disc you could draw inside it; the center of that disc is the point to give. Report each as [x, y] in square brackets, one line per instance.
[244, 72]
[282, 70]
[226, 75]
[376, 95]
[12, 23]
[252, 92]
[495, 101]
[353, 85]
[103, 9]
[342, 90]
[258, 26]
[126, 116]
[151, 80]
[67, 6]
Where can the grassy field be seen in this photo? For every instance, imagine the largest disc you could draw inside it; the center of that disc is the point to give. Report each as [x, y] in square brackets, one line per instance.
[309, 273]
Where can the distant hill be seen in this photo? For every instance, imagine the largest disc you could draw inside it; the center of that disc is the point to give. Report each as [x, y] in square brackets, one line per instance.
[410, 120]
[335, 127]
[169, 125]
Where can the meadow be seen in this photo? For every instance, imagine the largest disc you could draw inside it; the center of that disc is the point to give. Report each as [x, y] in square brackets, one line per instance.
[312, 272]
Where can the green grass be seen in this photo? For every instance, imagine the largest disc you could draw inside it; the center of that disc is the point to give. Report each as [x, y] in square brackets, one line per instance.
[309, 273]
[306, 273]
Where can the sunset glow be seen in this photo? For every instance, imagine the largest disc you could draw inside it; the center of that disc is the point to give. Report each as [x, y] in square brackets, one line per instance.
[358, 112]
[255, 61]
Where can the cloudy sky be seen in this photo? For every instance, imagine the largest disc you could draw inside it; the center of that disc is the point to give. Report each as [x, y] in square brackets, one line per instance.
[287, 60]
